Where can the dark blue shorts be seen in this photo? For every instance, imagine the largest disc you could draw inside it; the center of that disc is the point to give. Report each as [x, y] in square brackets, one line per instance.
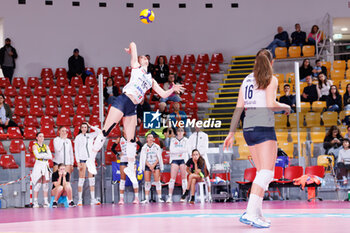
[178, 162]
[123, 164]
[124, 104]
[155, 168]
[82, 161]
[256, 135]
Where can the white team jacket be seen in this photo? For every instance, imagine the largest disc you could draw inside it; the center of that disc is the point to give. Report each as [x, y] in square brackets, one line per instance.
[155, 149]
[178, 149]
[63, 151]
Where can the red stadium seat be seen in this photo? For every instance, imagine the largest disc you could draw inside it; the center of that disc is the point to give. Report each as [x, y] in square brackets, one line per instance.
[249, 176]
[92, 70]
[10, 91]
[95, 91]
[69, 90]
[166, 160]
[83, 109]
[94, 120]
[127, 71]
[186, 96]
[40, 91]
[76, 81]
[36, 110]
[203, 58]
[188, 85]
[4, 82]
[191, 106]
[199, 68]
[90, 81]
[84, 90]
[30, 160]
[202, 86]
[201, 97]
[31, 121]
[191, 77]
[21, 100]
[25, 91]
[18, 82]
[14, 133]
[80, 99]
[103, 70]
[116, 71]
[46, 72]
[47, 81]
[30, 132]
[291, 173]
[214, 68]
[32, 82]
[189, 59]
[51, 100]
[62, 81]
[2, 149]
[2, 134]
[35, 100]
[217, 58]
[17, 120]
[142, 131]
[110, 144]
[66, 99]
[315, 170]
[95, 110]
[173, 69]
[205, 76]
[60, 72]
[110, 157]
[185, 68]
[78, 120]
[119, 80]
[8, 101]
[63, 120]
[76, 131]
[175, 60]
[67, 109]
[21, 111]
[51, 110]
[115, 132]
[94, 100]
[52, 146]
[47, 120]
[8, 162]
[16, 146]
[48, 131]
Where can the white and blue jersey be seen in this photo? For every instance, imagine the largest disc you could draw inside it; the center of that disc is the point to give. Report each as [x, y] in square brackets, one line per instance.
[140, 82]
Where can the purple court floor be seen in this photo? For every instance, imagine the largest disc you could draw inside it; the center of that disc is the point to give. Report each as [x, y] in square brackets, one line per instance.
[285, 216]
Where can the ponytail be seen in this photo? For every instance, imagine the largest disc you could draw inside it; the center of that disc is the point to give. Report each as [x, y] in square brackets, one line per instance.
[263, 68]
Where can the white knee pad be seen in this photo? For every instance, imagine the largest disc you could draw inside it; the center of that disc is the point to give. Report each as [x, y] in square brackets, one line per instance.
[130, 149]
[37, 187]
[171, 184]
[81, 182]
[122, 185]
[135, 185]
[45, 187]
[263, 178]
[158, 186]
[92, 181]
[148, 186]
[184, 184]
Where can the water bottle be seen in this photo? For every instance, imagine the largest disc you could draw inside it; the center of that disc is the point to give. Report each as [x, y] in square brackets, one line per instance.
[235, 193]
[348, 195]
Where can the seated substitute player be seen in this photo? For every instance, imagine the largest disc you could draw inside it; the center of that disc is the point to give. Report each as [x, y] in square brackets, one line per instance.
[61, 185]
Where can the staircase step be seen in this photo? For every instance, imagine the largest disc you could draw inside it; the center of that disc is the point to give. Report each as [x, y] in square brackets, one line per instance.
[237, 75]
[241, 66]
[244, 57]
[247, 61]
[240, 70]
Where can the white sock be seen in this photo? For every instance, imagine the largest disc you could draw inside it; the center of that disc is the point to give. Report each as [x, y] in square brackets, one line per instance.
[35, 200]
[259, 209]
[170, 196]
[253, 204]
[147, 196]
[70, 200]
[122, 196]
[92, 194]
[136, 195]
[80, 195]
[45, 200]
[159, 198]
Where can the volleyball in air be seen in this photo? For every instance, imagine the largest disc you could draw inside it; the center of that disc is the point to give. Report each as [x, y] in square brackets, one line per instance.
[146, 16]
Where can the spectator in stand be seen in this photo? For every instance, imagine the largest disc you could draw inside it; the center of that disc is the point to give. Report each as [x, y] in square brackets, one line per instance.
[150, 68]
[63, 151]
[288, 98]
[305, 70]
[347, 135]
[346, 98]
[61, 185]
[8, 54]
[76, 66]
[281, 39]
[162, 109]
[167, 86]
[298, 37]
[310, 91]
[168, 133]
[343, 162]
[334, 102]
[319, 68]
[110, 91]
[323, 87]
[6, 114]
[333, 141]
[161, 70]
[141, 108]
[178, 116]
[314, 36]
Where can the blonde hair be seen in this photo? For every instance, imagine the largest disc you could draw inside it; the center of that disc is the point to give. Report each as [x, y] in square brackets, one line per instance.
[263, 69]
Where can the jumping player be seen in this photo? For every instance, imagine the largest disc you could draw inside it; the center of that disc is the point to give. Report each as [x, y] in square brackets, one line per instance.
[125, 106]
[258, 96]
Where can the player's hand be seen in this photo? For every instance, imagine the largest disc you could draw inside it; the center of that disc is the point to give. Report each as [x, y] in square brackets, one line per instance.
[178, 88]
[287, 110]
[229, 141]
[127, 50]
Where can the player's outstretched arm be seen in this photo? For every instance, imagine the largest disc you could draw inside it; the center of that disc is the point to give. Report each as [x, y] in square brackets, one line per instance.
[164, 94]
[132, 50]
